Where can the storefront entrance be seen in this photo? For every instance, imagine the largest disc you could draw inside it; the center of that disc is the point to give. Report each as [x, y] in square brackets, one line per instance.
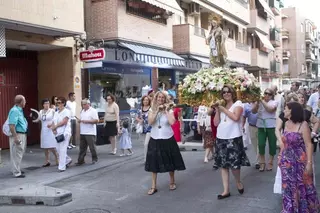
[18, 75]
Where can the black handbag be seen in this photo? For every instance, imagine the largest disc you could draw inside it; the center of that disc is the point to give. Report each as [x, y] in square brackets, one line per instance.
[60, 138]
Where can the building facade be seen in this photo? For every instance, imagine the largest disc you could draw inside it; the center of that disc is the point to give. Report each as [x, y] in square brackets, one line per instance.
[301, 48]
[38, 54]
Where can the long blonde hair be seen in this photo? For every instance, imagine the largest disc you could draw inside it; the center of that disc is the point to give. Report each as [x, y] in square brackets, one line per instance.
[155, 105]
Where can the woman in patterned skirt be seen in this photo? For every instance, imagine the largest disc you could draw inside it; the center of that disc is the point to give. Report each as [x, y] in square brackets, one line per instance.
[299, 194]
[230, 153]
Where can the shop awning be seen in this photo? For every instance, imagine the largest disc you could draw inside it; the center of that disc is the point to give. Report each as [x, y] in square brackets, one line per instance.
[207, 6]
[154, 55]
[266, 7]
[265, 41]
[170, 5]
[201, 59]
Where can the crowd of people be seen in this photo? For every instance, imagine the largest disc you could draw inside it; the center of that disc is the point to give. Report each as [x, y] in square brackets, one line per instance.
[287, 121]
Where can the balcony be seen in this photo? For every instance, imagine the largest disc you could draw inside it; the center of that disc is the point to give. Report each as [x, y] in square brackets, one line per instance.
[275, 66]
[188, 39]
[275, 6]
[54, 18]
[316, 43]
[285, 55]
[275, 37]
[238, 7]
[238, 52]
[258, 23]
[310, 57]
[309, 38]
[285, 33]
[260, 59]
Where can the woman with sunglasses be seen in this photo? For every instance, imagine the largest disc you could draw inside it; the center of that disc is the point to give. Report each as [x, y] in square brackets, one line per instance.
[61, 125]
[229, 153]
[266, 124]
[48, 141]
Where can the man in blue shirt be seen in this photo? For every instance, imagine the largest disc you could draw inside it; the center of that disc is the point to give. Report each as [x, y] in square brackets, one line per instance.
[18, 140]
[253, 130]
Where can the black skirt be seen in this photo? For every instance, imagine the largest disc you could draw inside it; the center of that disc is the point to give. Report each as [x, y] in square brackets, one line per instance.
[163, 156]
[110, 129]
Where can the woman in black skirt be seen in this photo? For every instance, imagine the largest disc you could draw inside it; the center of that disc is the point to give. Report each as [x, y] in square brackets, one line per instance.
[112, 124]
[230, 153]
[163, 152]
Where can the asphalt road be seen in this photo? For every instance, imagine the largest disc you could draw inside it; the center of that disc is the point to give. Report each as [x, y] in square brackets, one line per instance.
[123, 189]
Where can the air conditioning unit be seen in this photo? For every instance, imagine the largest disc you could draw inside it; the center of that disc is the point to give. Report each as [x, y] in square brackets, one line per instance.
[194, 9]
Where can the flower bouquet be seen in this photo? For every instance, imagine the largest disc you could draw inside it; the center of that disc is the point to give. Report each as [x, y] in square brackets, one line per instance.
[204, 87]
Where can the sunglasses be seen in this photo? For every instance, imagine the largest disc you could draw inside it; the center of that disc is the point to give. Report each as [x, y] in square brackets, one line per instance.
[226, 92]
[267, 93]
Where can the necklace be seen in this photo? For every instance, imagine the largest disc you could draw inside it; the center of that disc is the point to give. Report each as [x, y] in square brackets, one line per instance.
[158, 118]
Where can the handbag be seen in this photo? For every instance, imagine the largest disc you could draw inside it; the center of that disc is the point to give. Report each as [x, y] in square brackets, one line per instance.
[60, 138]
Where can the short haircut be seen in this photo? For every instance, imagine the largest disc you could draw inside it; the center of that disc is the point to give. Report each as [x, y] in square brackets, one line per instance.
[85, 101]
[46, 100]
[19, 99]
[113, 98]
[71, 94]
[63, 100]
[297, 113]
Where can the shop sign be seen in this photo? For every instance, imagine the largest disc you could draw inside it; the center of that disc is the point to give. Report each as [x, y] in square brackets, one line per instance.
[92, 55]
[127, 56]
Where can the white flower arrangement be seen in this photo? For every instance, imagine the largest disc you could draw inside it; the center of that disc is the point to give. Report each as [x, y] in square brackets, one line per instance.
[210, 81]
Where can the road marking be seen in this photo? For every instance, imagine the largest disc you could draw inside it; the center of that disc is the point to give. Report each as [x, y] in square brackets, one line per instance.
[122, 198]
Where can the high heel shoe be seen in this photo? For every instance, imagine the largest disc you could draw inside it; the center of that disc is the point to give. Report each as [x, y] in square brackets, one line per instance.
[241, 191]
[46, 165]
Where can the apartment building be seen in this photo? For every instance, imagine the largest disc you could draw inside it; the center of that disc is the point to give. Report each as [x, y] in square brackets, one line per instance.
[300, 44]
[38, 57]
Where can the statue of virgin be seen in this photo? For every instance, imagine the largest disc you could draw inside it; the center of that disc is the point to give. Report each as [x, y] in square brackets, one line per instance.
[216, 41]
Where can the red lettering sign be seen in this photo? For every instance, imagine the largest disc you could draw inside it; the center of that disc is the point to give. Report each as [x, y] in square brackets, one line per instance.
[95, 55]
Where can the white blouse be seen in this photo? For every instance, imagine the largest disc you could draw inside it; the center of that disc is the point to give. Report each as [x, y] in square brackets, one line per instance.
[227, 128]
[161, 129]
[203, 118]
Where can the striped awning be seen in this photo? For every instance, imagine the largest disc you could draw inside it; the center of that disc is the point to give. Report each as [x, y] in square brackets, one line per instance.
[265, 41]
[169, 5]
[153, 55]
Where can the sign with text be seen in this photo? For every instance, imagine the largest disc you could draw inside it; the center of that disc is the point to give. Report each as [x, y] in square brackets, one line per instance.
[92, 55]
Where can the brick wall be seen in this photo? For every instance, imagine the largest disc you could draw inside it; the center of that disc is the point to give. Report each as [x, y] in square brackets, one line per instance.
[101, 19]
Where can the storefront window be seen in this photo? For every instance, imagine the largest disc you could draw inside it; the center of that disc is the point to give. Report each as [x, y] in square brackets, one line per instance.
[124, 82]
[180, 75]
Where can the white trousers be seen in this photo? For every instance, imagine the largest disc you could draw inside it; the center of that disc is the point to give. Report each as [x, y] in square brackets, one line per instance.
[16, 153]
[62, 148]
[146, 143]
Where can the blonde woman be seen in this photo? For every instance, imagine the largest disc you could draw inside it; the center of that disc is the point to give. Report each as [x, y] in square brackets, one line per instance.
[163, 152]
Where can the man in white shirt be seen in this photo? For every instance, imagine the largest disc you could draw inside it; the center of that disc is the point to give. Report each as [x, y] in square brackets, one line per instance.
[314, 100]
[72, 106]
[88, 132]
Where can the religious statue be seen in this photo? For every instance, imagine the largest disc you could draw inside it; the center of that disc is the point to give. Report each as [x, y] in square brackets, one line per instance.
[217, 42]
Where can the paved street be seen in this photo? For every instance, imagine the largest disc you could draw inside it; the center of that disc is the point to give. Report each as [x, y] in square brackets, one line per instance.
[121, 188]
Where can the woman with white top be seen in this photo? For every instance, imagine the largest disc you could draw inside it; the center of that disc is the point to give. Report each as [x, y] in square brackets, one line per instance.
[229, 153]
[62, 126]
[48, 141]
[266, 124]
[204, 128]
[163, 152]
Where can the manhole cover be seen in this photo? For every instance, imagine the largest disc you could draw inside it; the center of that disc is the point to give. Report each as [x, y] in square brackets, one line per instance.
[90, 211]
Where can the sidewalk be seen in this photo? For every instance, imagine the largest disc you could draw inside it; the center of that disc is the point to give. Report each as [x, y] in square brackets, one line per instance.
[34, 159]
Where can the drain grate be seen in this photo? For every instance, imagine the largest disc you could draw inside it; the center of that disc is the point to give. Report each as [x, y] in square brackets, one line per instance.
[91, 211]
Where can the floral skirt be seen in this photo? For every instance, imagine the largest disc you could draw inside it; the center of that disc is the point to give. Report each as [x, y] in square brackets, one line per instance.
[230, 153]
[207, 138]
[163, 155]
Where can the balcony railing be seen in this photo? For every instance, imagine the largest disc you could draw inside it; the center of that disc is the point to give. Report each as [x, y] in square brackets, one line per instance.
[275, 35]
[286, 55]
[309, 37]
[310, 56]
[275, 66]
[285, 33]
[260, 59]
[242, 46]
[275, 6]
[198, 31]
